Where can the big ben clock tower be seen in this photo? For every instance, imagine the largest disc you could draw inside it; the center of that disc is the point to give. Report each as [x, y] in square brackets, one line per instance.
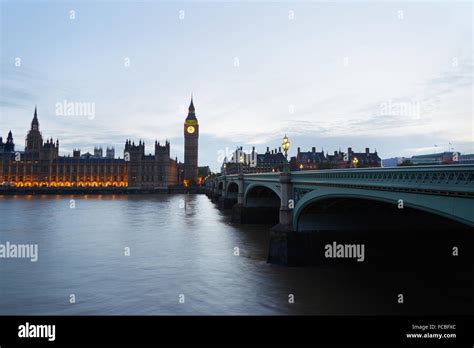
[191, 135]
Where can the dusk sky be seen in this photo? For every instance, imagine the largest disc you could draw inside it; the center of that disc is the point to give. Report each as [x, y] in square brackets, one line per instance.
[392, 76]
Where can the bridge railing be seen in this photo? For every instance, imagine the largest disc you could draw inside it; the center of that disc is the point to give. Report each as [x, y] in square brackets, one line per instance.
[442, 178]
[452, 178]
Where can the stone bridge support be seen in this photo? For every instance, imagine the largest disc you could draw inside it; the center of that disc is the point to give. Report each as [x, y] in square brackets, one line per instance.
[215, 192]
[239, 208]
[240, 195]
[222, 196]
[286, 246]
[209, 189]
[229, 196]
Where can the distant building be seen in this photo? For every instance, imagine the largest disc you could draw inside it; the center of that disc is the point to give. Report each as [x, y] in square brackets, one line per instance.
[110, 152]
[88, 155]
[309, 160]
[203, 172]
[441, 158]
[244, 158]
[436, 158]
[98, 152]
[242, 162]
[393, 162]
[8, 146]
[466, 159]
[313, 159]
[271, 161]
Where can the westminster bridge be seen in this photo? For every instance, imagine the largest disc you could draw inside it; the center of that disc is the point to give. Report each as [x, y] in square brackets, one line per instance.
[300, 202]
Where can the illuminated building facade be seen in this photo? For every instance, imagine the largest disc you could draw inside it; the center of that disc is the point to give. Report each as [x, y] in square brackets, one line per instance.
[40, 165]
[313, 160]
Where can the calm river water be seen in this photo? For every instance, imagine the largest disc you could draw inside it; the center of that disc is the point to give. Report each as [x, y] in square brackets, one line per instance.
[176, 251]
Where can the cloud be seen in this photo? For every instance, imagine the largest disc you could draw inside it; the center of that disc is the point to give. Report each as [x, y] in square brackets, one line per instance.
[21, 87]
[459, 76]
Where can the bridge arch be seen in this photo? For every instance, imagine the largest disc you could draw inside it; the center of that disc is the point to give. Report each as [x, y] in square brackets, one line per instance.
[262, 195]
[232, 190]
[220, 188]
[442, 206]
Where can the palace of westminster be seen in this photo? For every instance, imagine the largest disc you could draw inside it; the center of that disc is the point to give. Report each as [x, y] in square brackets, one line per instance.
[40, 164]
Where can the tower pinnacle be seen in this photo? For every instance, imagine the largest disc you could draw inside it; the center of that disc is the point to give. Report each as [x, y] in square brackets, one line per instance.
[191, 112]
[191, 106]
[35, 123]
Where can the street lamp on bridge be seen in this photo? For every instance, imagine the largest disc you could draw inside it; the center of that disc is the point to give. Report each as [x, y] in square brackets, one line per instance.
[355, 161]
[285, 145]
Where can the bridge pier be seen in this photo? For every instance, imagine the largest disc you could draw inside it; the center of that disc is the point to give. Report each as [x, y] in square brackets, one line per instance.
[225, 203]
[218, 192]
[287, 247]
[226, 200]
[214, 197]
[282, 235]
[208, 191]
[240, 193]
[253, 215]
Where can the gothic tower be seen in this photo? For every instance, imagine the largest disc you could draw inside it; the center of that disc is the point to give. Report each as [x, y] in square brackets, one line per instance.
[9, 146]
[34, 140]
[191, 136]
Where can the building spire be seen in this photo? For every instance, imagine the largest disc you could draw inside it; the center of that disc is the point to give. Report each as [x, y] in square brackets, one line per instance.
[35, 123]
[191, 106]
[191, 112]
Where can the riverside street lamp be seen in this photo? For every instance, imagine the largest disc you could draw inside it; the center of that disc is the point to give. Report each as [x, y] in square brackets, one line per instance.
[354, 162]
[285, 145]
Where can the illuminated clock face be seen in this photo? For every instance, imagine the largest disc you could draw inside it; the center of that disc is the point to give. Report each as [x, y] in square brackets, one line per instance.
[190, 129]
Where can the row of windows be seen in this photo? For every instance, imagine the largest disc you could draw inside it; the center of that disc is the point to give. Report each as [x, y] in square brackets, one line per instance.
[7, 178]
[72, 170]
[148, 178]
[147, 169]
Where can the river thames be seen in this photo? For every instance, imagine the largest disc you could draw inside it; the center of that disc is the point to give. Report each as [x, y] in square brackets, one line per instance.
[187, 249]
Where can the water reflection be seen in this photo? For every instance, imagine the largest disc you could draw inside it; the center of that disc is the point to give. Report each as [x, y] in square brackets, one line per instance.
[175, 249]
